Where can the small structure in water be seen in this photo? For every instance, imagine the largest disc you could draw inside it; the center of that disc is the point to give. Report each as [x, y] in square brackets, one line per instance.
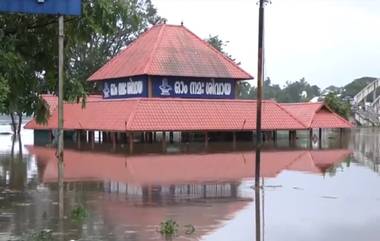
[169, 84]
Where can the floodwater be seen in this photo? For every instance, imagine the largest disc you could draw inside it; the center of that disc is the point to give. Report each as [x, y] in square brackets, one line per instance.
[307, 193]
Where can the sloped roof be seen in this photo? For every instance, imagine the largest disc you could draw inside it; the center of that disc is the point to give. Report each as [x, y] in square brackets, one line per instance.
[97, 115]
[170, 50]
[156, 114]
[316, 115]
[52, 100]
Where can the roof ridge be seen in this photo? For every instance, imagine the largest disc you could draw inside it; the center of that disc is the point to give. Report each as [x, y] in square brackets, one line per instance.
[315, 112]
[289, 113]
[217, 52]
[132, 115]
[158, 41]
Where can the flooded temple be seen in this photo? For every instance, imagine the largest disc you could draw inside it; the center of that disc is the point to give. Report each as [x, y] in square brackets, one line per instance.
[171, 86]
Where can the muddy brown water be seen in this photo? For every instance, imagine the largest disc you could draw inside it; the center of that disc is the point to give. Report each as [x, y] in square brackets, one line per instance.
[308, 193]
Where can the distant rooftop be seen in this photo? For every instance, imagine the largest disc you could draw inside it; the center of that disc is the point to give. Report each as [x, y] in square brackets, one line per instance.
[170, 50]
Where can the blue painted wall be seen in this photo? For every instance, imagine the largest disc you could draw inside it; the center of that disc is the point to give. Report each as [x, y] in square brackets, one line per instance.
[126, 88]
[62, 7]
[193, 88]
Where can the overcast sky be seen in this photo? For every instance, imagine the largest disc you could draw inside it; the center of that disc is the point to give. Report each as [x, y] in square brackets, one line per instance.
[325, 41]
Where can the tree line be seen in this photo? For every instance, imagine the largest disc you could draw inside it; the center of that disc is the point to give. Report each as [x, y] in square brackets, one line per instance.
[293, 91]
[337, 98]
[29, 56]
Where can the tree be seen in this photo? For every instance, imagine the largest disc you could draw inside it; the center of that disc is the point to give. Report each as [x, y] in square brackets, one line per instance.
[271, 91]
[246, 91]
[4, 89]
[29, 47]
[105, 28]
[337, 105]
[298, 91]
[351, 89]
[17, 84]
[216, 42]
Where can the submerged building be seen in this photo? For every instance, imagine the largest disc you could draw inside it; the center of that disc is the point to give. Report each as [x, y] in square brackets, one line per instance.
[171, 81]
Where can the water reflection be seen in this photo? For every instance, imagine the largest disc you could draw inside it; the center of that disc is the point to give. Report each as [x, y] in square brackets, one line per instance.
[128, 196]
[365, 143]
[147, 170]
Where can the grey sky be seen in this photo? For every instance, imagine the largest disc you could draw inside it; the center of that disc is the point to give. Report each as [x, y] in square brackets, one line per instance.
[325, 41]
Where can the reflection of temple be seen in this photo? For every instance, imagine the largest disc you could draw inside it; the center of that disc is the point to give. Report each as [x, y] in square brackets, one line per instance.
[128, 196]
[180, 173]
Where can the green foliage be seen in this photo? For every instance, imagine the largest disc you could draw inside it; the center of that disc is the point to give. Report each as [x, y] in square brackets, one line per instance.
[4, 90]
[169, 227]
[271, 91]
[337, 105]
[246, 91]
[29, 50]
[41, 110]
[356, 86]
[79, 213]
[297, 91]
[104, 29]
[43, 235]
[216, 42]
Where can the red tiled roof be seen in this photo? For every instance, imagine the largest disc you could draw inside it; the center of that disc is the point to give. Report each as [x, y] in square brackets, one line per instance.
[52, 100]
[169, 50]
[303, 111]
[327, 119]
[316, 115]
[97, 115]
[156, 114]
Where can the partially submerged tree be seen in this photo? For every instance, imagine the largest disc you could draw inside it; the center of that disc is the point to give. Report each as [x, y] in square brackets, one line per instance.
[337, 105]
[29, 50]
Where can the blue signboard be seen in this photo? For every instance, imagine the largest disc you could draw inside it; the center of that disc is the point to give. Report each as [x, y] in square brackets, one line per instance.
[193, 88]
[57, 7]
[125, 88]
